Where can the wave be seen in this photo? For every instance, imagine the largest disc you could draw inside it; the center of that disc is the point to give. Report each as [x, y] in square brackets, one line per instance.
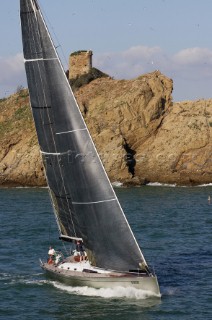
[117, 184]
[16, 279]
[107, 293]
[33, 282]
[28, 187]
[4, 276]
[158, 184]
[205, 185]
[22, 187]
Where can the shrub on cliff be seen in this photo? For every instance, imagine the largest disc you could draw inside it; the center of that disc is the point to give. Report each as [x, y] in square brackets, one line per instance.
[86, 78]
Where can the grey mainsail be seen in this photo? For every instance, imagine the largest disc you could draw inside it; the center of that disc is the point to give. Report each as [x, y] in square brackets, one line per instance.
[84, 201]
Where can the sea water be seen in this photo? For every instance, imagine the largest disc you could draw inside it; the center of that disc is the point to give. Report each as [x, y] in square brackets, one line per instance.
[172, 226]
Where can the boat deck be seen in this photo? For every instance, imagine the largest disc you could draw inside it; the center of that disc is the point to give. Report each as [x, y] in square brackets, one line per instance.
[70, 267]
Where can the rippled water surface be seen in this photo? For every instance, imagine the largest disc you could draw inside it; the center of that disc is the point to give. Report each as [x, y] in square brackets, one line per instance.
[173, 227]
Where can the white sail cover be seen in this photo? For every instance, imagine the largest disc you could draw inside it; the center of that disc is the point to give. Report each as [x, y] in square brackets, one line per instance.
[83, 199]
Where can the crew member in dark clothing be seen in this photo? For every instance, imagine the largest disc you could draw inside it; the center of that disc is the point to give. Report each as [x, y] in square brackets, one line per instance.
[80, 249]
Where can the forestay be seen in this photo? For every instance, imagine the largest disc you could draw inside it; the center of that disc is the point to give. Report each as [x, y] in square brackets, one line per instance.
[84, 201]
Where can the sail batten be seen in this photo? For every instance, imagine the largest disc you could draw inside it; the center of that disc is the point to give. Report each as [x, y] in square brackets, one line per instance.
[92, 202]
[83, 198]
[39, 59]
[54, 153]
[71, 131]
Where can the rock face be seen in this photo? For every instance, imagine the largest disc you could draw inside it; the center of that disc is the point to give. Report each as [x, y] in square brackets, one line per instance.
[20, 162]
[140, 134]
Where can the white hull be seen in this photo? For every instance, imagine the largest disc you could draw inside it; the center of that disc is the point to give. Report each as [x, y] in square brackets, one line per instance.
[102, 278]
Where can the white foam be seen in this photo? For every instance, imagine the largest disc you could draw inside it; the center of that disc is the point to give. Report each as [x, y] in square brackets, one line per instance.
[20, 280]
[158, 184]
[118, 292]
[38, 282]
[24, 187]
[117, 184]
[205, 185]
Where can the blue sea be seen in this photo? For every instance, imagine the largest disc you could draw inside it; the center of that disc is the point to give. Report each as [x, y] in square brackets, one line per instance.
[172, 226]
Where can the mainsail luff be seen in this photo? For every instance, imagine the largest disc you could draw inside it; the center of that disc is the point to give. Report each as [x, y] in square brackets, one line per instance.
[84, 201]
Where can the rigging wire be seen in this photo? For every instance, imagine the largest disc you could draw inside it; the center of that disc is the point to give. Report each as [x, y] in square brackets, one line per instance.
[65, 249]
[56, 39]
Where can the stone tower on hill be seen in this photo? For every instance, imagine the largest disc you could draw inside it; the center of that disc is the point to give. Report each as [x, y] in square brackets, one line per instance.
[80, 62]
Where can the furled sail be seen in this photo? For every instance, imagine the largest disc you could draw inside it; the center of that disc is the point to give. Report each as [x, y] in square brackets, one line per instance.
[84, 201]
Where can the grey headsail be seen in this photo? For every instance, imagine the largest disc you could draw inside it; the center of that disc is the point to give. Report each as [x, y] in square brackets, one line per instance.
[84, 201]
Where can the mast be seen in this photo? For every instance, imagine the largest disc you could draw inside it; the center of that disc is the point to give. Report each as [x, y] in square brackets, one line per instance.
[84, 201]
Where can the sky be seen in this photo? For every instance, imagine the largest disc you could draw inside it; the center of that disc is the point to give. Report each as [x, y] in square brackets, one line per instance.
[128, 38]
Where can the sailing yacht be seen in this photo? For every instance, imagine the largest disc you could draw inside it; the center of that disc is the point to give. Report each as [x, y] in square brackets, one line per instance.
[85, 205]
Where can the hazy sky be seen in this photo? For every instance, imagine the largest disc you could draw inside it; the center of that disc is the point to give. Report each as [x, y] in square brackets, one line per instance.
[127, 37]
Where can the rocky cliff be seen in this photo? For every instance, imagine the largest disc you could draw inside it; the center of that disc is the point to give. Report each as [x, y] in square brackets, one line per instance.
[140, 134]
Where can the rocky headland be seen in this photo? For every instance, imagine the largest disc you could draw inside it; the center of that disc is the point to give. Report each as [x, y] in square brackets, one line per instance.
[140, 134]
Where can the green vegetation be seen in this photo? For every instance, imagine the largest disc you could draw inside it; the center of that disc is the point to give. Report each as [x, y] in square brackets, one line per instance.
[20, 118]
[86, 78]
[22, 113]
[76, 53]
[22, 93]
[5, 127]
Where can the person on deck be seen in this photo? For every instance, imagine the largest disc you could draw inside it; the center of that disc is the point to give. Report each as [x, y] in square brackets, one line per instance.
[51, 254]
[51, 251]
[80, 250]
